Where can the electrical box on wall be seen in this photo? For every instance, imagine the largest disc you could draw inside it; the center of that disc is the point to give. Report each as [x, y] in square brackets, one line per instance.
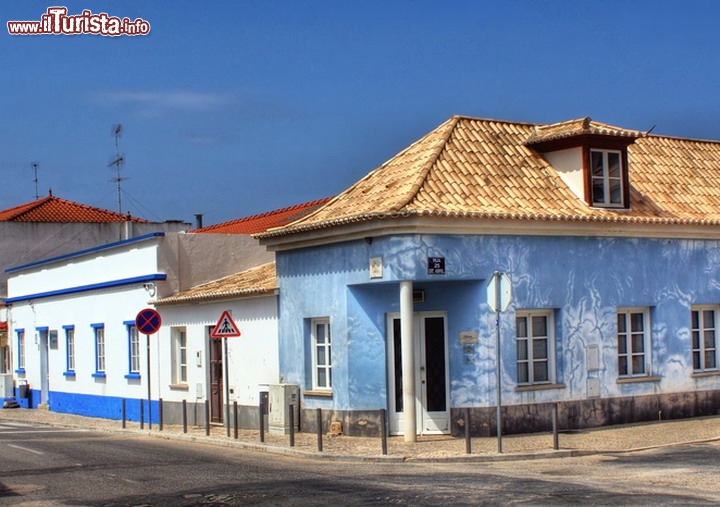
[280, 397]
[6, 385]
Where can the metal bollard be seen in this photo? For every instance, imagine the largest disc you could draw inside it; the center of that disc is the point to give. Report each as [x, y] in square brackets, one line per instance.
[556, 437]
[262, 421]
[142, 414]
[468, 442]
[319, 430]
[235, 420]
[383, 431]
[123, 412]
[207, 418]
[160, 414]
[184, 415]
[291, 413]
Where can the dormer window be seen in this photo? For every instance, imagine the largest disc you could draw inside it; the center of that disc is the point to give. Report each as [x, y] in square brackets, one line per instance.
[606, 174]
[590, 157]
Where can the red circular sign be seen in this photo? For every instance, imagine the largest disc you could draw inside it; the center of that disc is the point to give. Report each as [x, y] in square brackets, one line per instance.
[148, 321]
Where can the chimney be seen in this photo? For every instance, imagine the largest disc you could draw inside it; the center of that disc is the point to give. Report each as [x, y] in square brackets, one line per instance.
[198, 220]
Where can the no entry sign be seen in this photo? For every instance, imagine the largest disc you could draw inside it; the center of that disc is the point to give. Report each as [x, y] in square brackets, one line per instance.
[148, 321]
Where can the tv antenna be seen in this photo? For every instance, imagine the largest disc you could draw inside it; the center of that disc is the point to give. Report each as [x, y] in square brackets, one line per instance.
[35, 166]
[118, 161]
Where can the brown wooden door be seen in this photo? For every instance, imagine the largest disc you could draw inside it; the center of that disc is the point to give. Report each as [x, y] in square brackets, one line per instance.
[216, 381]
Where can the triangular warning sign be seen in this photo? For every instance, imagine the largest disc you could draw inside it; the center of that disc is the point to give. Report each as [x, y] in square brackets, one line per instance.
[225, 327]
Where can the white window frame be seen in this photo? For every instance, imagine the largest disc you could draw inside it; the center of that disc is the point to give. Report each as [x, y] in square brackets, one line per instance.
[525, 350]
[179, 356]
[628, 349]
[321, 354]
[69, 348]
[99, 338]
[607, 180]
[133, 349]
[702, 352]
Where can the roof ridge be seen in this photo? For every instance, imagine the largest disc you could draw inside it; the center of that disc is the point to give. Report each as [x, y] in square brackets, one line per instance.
[23, 209]
[430, 163]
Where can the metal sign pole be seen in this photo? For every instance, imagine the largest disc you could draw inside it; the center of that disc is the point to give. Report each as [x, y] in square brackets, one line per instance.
[498, 368]
[148, 383]
[227, 387]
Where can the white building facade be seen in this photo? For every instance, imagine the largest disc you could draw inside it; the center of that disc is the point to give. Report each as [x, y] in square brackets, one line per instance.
[75, 347]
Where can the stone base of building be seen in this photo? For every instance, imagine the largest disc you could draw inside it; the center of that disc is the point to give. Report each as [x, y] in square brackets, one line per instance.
[536, 417]
[589, 413]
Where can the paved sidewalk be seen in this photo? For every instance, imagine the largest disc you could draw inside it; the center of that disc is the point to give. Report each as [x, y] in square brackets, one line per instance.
[427, 448]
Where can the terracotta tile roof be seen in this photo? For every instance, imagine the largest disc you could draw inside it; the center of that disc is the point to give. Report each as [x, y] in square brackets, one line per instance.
[54, 209]
[256, 281]
[264, 221]
[484, 169]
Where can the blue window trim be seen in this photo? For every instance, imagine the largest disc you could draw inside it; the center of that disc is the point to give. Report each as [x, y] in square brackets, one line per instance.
[137, 239]
[96, 326]
[68, 372]
[20, 332]
[131, 375]
[42, 328]
[85, 288]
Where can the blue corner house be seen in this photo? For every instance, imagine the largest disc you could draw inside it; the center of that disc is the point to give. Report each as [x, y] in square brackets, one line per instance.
[608, 240]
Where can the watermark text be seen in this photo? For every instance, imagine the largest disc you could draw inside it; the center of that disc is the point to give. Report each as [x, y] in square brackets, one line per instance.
[57, 21]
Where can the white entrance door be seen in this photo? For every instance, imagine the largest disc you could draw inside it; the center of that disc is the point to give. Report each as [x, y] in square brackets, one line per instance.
[431, 373]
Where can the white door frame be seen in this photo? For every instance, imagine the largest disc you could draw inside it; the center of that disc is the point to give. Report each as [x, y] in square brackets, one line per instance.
[427, 422]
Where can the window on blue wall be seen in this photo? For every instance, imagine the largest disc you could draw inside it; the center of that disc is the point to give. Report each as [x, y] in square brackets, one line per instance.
[322, 354]
[21, 351]
[535, 344]
[704, 338]
[99, 331]
[633, 338]
[69, 350]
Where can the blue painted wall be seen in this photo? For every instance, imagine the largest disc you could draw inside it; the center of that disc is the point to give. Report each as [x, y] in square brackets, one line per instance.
[584, 280]
[106, 407]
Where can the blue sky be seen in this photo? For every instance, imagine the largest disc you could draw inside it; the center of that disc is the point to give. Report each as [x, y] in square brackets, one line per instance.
[235, 107]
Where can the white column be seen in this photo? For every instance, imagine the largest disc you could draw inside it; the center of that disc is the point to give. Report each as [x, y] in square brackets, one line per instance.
[408, 361]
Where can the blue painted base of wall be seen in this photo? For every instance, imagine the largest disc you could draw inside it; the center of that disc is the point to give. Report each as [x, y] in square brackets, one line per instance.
[106, 407]
[32, 400]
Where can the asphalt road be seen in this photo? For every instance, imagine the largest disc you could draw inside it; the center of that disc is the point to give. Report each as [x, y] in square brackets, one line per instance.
[45, 466]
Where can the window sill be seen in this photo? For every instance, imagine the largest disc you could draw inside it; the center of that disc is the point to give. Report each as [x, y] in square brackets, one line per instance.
[179, 387]
[133, 376]
[69, 373]
[634, 380]
[20, 371]
[99, 374]
[321, 394]
[539, 387]
[614, 207]
[708, 373]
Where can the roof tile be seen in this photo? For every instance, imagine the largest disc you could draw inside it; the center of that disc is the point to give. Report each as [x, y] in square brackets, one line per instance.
[264, 221]
[478, 168]
[55, 209]
[256, 281]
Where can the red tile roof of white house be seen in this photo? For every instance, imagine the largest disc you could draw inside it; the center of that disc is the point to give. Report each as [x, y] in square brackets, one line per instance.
[55, 209]
[263, 221]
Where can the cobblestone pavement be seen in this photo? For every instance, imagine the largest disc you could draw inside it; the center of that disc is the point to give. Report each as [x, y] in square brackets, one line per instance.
[436, 448]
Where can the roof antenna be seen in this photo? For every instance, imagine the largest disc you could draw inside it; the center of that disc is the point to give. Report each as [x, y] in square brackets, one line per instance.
[651, 129]
[118, 162]
[35, 166]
